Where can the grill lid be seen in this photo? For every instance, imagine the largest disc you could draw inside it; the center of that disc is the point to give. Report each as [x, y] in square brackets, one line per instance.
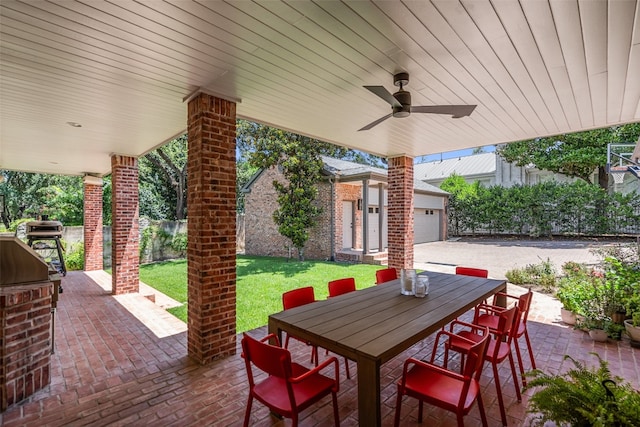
[44, 229]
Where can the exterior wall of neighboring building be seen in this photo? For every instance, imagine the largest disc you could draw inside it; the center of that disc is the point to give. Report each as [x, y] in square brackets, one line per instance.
[347, 193]
[487, 168]
[261, 232]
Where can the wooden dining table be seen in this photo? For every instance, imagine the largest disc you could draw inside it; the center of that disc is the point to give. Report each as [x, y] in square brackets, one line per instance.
[373, 325]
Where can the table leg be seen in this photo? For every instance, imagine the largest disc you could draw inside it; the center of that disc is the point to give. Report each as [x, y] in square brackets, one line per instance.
[273, 329]
[369, 414]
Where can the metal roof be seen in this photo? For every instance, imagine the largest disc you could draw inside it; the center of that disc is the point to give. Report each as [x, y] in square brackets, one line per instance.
[478, 164]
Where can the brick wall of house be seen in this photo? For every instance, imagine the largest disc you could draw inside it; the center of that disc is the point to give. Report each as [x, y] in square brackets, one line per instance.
[25, 341]
[125, 233]
[211, 229]
[347, 193]
[93, 240]
[400, 212]
[261, 232]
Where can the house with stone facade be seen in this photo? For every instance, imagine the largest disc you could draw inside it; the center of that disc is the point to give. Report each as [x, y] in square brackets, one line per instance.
[353, 223]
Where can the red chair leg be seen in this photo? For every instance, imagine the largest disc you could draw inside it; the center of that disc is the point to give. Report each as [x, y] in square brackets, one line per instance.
[503, 414]
[346, 368]
[247, 413]
[420, 409]
[516, 383]
[526, 337]
[396, 420]
[336, 418]
[520, 364]
[483, 416]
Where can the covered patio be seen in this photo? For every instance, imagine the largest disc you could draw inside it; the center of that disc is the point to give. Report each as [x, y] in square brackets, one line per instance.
[88, 87]
[121, 360]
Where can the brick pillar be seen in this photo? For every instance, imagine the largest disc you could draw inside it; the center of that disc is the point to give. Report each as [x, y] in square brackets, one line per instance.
[93, 223]
[25, 344]
[400, 216]
[211, 228]
[125, 258]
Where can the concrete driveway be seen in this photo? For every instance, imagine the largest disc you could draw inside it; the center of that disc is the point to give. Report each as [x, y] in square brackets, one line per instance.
[500, 255]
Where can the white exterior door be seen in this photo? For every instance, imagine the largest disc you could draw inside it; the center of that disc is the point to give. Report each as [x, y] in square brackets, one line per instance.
[426, 225]
[347, 225]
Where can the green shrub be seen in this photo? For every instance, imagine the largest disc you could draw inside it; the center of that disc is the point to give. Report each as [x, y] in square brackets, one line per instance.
[519, 276]
[542, 275]
[179, 243]
[74, 259]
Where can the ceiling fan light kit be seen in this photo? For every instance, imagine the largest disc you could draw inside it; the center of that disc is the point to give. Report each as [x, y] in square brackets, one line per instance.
[401, 103]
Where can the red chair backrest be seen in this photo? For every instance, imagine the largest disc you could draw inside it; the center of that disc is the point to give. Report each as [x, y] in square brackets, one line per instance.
[386, 275]
[508, 323]
[470, 271]
[341, 286]
[268, 358]
[524, 304]
[298, 297]
[475, 358]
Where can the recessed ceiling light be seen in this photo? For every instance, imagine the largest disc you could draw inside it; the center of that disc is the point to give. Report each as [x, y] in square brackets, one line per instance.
[74, 124]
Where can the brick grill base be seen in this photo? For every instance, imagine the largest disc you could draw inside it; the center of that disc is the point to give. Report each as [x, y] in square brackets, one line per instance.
[25, 341]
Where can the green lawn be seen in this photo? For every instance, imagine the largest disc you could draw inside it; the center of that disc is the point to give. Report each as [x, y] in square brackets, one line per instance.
[260, 283]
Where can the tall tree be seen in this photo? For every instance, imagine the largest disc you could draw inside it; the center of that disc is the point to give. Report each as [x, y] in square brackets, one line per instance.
[574, 154]
[30, 195]
[163, 181]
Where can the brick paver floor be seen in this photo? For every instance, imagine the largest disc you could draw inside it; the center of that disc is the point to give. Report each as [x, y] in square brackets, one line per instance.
[122, 361]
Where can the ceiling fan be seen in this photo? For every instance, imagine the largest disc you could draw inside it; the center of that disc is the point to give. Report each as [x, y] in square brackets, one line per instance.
[401, 103]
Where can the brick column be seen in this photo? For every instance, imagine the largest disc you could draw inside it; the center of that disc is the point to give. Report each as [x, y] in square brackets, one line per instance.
[92, 223]
[400, 216]
[211, 228]
[25, 347]
[125, 258]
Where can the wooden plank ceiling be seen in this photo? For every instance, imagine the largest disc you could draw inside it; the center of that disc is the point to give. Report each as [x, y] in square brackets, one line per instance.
[123, 69]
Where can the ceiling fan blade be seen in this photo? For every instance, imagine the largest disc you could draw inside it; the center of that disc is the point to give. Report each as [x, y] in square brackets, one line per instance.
[377, 122]
[383, 93]
[456, 111]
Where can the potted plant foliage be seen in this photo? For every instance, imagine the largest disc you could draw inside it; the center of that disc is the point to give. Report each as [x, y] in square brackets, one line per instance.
[573, 290]
[583, 397]
[632, 325]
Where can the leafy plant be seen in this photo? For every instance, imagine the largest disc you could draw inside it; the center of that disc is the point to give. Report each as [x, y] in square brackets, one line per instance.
[518, 276]
[542, 275]
[179, 243]
[74, 258]
[583, 397]
[574, 291]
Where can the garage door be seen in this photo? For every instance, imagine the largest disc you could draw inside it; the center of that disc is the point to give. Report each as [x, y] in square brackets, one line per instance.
[426, 225]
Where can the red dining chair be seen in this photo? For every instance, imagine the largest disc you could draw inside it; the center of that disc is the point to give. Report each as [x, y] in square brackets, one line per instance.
[438, 386]
[471, 271]
[289, 387]
[490, 319]
[386, 275]
[340, 287]
[498, 348]
[296, 298]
